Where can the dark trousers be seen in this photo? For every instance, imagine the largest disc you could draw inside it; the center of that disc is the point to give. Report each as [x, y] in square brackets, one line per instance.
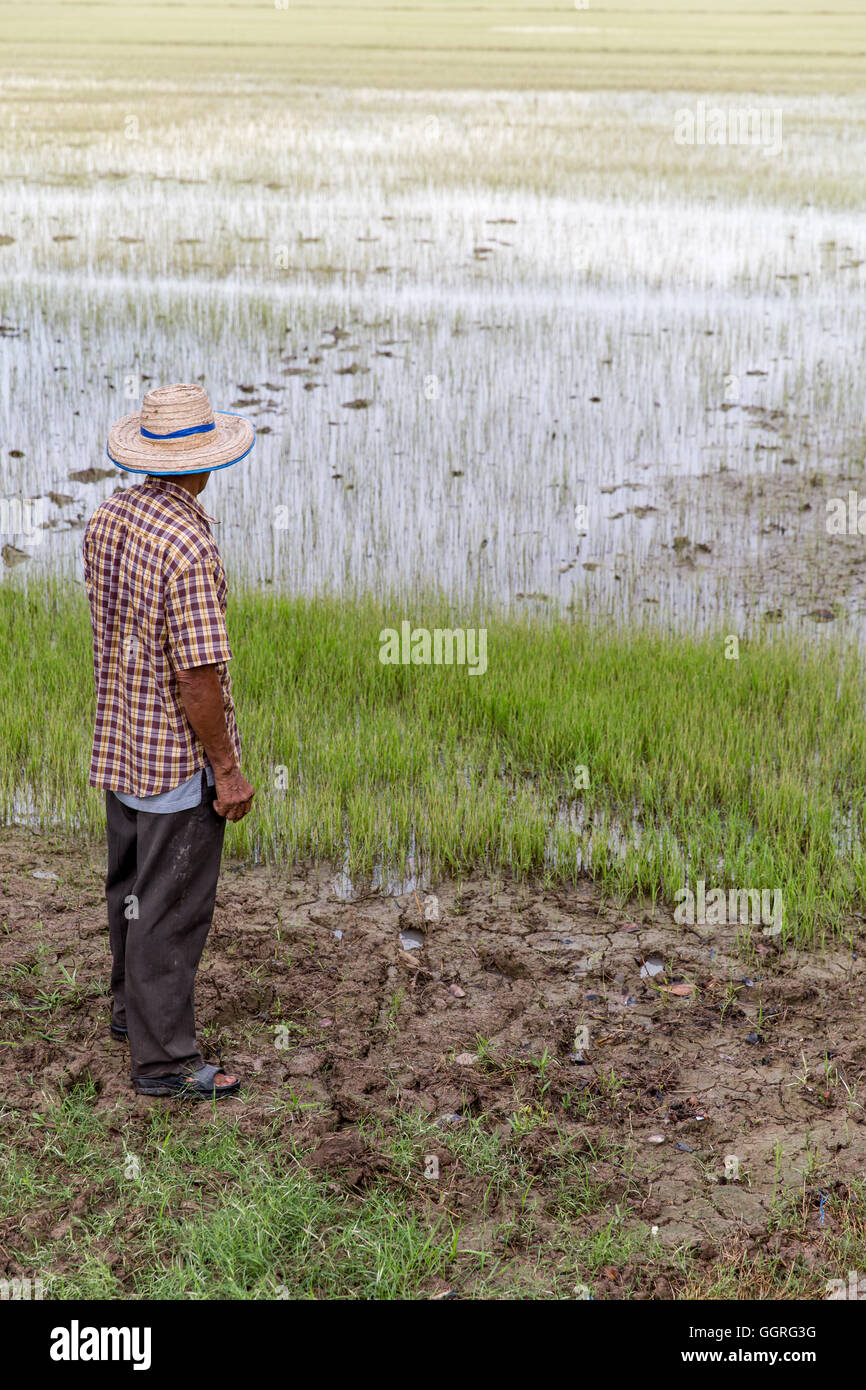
[160, 889]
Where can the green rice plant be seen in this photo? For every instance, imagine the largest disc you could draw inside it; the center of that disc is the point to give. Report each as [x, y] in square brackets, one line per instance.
[747, 774]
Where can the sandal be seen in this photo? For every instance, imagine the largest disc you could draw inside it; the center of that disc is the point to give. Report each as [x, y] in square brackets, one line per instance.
[197, 1085]
[122, 1034]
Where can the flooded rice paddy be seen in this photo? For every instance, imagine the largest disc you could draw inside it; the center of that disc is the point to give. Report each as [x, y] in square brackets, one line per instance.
[518, 347]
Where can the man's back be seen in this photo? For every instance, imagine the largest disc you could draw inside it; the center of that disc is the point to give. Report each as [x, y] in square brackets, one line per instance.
[157, 591]
[166, 746]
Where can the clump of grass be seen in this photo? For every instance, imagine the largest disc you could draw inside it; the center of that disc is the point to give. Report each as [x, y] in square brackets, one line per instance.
[164, 1207]
[212, 1215]
[747, 773]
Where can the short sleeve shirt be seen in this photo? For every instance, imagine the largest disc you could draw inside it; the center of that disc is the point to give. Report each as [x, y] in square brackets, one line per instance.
[157, 592]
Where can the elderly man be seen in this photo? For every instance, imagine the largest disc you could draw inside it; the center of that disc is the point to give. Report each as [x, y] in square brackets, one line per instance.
[166, 747]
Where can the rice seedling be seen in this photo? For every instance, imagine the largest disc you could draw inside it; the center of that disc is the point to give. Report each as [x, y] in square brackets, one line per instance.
[582, 749]
[635, 394]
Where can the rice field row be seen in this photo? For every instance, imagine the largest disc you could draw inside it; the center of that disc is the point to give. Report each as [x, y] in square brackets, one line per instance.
[558, 44]
[650, 763]
[511, 345]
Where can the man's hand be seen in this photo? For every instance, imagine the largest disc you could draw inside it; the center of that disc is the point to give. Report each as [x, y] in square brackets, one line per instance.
[202, 698]
[234, 795]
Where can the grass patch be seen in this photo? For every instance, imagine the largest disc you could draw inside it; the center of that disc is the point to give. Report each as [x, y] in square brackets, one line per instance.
[215, 1214]
[747, 773]
[112, 1206]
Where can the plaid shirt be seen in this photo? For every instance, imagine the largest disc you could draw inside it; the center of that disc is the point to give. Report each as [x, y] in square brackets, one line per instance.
[157, 591]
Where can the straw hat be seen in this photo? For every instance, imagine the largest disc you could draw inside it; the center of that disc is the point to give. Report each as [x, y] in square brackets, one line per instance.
[177, 431]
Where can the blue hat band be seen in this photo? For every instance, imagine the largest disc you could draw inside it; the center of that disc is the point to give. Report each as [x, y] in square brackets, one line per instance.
[180, 434]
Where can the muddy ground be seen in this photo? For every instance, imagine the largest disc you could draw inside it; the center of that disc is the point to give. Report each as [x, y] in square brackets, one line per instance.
[791, 568]
[756, 1053]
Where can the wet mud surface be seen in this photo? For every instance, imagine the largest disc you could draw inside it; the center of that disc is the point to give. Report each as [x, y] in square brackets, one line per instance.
[782, 548]
[704, 1078]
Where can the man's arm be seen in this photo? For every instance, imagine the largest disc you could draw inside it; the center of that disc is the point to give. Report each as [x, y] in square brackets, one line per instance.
[201, 696]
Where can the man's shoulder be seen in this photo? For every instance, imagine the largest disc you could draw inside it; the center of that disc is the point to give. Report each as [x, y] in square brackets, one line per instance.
[166, 529]
[105, 518]
[123, 505]
[112, 506]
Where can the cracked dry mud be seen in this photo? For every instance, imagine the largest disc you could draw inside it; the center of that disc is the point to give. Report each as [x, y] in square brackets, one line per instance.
[765, 1060]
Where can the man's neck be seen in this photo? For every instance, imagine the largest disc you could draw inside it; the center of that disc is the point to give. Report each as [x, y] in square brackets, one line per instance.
[193, 483]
